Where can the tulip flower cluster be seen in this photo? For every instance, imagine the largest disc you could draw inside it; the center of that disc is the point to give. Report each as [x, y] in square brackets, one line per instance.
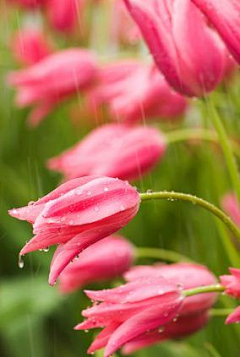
[194, 46]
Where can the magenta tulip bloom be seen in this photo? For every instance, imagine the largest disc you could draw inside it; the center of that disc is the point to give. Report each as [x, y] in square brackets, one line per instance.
[231, 206]
[225, 17]
[129, 311]
[113, 150]
[106, 259]
[193, 314]
[134, 91]
[76, 215]
[64, 14]
[52, 79]
[30, 46]
[186, 50]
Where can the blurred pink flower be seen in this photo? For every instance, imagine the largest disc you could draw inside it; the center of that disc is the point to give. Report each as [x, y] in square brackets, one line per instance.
[231, 206]
[113, 150]
[225, 17]
[106, 259]
[52, 79]
[64, 15]
[232, 288]
[234, 317]
[29, 46]
[129, 311]
[232, 282]
[187, 51]
[135, 91]
[76, 215]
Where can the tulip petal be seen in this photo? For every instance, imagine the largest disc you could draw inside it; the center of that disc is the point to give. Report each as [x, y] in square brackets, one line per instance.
[234, 317]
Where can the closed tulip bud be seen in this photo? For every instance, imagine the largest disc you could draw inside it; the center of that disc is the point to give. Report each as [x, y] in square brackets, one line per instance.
[113, 150]
[130, 311]
[30, 46]
[106, 259]
[232, 282]
[224, 15]
[76, 215]
[133, 91]
[52, 79]
[187, 51]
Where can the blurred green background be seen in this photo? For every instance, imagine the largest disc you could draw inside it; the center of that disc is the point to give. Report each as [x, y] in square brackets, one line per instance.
[35, 320]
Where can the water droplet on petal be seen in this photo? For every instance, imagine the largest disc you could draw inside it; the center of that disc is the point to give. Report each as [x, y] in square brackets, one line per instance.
[46, 249]
[31, 203]
[89, 193]
[20, 262]
[149, 192]
[105, 189]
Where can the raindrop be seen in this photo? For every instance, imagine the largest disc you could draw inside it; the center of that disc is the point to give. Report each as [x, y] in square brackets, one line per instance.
[161, 329]
[46, 249]
[86, 331]
[31, 203]
[105, 189]
[20, 262]
[89, 193]
[149, 192]
[122, 208]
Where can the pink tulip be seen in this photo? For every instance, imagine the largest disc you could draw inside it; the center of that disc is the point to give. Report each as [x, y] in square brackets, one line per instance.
[186, 50]
[232, 283]
[192, 315]
[135, 91]
[225, 17]
[129, 311]
[125, 152]
[231, 206]
[52, 79]
[106, 259]
[76, 215]
[30, 46]
[64, 14]
[182, 326]
[188, 275]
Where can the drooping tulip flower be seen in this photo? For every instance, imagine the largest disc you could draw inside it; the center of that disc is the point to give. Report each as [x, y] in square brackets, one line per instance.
[114, 150]
[76, 215]
[53, 79]
[114, 310]
[30, 46]
[187, 51]
[134, 91]
[64, 15]
[129, 311]
[106, 259]
[224, 15]
[232, 288]
[188, 276]
[231, 206]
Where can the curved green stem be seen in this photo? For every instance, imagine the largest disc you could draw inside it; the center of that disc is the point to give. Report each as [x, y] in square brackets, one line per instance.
[174, 196]
[198, 134]
[162, 254]
[226, 147]
[217, 288]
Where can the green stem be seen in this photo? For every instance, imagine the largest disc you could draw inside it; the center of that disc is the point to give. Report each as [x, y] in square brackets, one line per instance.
[220, 312]
[198, 134]
[173, 196]
[162, 254]
[226, 147]
[218, 288]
